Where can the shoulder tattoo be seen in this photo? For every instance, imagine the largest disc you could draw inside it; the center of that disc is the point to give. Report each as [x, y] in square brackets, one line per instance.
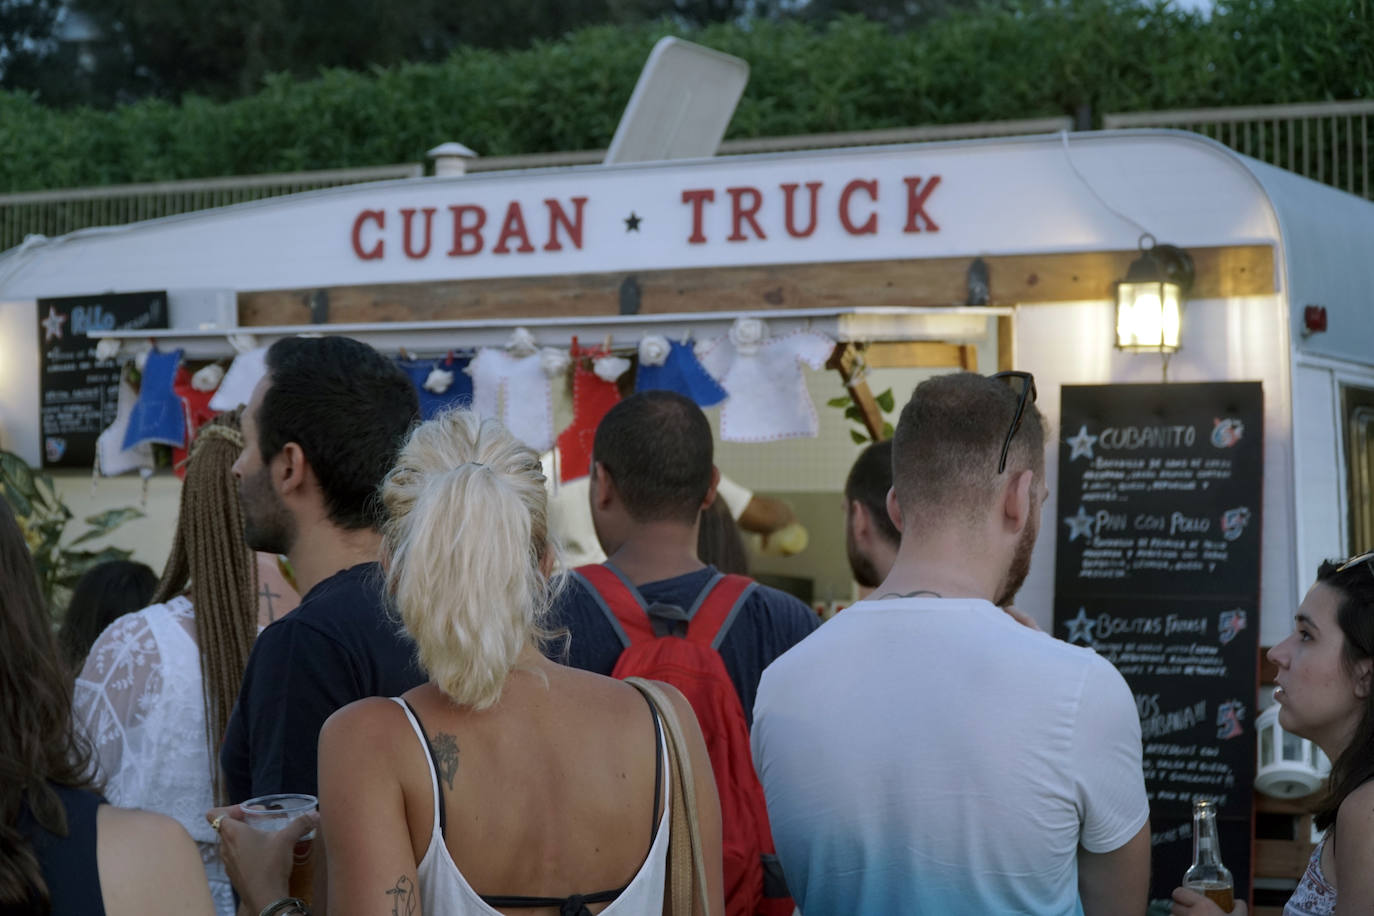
[446, 755]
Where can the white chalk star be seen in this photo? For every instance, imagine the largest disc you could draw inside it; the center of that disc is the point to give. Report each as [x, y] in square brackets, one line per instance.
[1079, 525]
[52, 325]
[1082, 444]
[1080, 627]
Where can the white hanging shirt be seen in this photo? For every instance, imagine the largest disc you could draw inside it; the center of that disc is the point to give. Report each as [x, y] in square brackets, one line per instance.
[237, 386]
[516, 391]
[111, 456]
[768, 397]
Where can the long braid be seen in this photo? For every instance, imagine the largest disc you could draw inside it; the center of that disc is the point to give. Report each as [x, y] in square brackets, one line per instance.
[210, 558]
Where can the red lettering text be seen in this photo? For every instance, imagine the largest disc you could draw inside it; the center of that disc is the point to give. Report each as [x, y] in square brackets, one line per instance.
[572, 226]
[697, 199]
[870, 225]
[741, 213]
[789, 191]
[463, 231]
[377, 250]
[406, 214]
[916, 198]
[513, 227]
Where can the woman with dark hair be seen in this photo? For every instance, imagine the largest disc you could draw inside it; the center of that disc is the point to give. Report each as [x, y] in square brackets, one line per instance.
[718, 541]
[103, 595]
[63, 850]
[1325, 695]
[158, 686]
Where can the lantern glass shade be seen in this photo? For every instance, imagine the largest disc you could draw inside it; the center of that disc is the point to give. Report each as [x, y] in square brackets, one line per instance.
[1148, 315]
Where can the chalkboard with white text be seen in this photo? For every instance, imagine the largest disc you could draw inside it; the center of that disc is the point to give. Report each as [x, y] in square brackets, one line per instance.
[78, 392]
[1158, 570]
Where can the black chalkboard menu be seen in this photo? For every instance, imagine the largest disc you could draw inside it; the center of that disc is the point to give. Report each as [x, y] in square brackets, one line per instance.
[78, 392]
[1158, 570]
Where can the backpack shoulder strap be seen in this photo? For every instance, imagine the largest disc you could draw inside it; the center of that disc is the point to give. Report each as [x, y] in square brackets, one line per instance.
[717, 607]
[619, 600]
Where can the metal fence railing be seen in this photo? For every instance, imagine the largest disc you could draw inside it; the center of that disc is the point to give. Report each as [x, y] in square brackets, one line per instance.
[53, 213]
[1325, 141]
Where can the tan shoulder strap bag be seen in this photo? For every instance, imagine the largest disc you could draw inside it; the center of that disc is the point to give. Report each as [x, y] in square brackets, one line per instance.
[686, 865]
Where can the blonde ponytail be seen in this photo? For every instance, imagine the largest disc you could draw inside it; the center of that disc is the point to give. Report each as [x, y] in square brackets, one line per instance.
[466, 531]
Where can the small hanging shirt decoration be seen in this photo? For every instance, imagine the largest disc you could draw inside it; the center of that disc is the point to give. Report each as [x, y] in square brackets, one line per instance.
[673, 366]
[195, 404]
[593, 395]
[516, 391]
[111, 457]
[768, 399]
[438, 383]
[158, 415]
[238, 383]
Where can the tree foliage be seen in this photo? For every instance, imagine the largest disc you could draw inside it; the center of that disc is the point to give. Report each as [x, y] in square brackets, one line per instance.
[1015, 60]
[26, 28]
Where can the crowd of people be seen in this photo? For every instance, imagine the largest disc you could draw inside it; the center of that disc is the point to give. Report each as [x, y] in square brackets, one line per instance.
[490, 729]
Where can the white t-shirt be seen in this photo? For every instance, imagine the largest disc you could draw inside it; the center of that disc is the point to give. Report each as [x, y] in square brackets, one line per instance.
[934, 756]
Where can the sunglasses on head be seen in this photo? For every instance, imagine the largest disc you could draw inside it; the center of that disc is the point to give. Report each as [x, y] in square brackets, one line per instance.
[1365, 558]
[1023, 383]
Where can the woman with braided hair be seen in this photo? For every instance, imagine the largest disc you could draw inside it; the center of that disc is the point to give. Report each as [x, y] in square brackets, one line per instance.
[159, 684]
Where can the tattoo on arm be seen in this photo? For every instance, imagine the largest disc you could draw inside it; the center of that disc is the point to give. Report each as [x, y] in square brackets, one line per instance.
[446, 754]
[919, 593]
[404, 902]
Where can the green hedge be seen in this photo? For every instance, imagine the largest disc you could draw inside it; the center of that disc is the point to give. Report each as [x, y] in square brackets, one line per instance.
[1026, 59]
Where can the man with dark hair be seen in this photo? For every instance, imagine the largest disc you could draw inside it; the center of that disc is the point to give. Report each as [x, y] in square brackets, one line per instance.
[652, 474]
[924, 752]
[320, 433]
[870, 538]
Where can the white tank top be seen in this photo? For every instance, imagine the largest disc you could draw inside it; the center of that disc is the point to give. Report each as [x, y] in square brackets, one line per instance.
[445, 892]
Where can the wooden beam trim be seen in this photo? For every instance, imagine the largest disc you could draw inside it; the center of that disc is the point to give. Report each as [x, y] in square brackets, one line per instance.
[1025, 279]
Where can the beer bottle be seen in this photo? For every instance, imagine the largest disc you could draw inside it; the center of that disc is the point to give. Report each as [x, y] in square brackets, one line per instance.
[1207, 875]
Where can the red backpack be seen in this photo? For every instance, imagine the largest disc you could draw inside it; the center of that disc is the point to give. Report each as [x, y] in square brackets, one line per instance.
[665, 643]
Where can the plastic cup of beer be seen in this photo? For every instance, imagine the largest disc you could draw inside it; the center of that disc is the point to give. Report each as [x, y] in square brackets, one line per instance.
[274, 812]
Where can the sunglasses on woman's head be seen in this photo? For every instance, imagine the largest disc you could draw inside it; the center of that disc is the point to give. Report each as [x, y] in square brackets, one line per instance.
[1023, 383]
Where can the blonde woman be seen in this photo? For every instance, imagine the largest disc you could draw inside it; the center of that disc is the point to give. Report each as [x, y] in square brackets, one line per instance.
[507, 783]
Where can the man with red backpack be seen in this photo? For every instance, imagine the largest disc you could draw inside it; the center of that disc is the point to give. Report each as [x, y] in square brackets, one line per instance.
[653, 609]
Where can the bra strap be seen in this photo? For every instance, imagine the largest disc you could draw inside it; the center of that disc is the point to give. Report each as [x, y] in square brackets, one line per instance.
[576, 905]
[440, 820]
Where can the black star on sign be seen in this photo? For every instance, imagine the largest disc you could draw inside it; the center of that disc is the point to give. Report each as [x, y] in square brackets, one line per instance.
[632, 222]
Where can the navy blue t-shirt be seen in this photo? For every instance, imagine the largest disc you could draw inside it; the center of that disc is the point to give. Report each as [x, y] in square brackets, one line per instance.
[769, 623]
[337, 646]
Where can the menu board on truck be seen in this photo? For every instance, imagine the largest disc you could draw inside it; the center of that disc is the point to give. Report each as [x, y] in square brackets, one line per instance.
[1158, 570]
[78, 392]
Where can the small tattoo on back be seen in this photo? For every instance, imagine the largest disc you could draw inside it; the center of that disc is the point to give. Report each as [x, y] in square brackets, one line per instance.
[446, 756]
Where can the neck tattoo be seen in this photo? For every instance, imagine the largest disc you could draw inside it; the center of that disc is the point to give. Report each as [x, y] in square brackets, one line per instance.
[919, 593]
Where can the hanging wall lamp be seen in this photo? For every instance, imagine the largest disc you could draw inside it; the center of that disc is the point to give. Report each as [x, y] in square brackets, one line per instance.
[1149, 302]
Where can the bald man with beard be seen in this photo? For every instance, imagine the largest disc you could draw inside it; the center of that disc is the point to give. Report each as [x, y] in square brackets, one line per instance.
[925, 753]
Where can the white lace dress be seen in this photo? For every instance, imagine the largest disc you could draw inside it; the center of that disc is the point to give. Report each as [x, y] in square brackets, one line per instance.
[139, 698]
